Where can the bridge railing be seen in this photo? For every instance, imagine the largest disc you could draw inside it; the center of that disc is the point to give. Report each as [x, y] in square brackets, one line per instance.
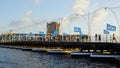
[103, 38]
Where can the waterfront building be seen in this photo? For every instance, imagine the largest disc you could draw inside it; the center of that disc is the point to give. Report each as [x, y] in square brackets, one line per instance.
[53, 26]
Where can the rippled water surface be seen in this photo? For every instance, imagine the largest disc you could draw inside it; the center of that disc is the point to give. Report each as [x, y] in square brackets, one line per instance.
[12, 58]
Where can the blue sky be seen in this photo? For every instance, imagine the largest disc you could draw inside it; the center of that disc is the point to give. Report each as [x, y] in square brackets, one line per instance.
[32, 15]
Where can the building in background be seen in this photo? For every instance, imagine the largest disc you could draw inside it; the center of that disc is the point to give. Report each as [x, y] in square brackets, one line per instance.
[53, 26]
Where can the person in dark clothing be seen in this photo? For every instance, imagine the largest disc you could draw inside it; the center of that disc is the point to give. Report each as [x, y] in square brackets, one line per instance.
[114, 38]
[99, 37]
[95, 37]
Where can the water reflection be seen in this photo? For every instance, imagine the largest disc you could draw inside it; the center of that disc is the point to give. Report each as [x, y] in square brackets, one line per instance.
[12, 58]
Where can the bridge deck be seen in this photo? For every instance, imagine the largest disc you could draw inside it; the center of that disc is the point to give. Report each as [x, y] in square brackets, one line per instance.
[108, 46]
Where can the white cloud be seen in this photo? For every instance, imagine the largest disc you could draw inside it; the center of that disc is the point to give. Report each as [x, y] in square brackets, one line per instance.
[93, 7]
[26, 25]
[64, 21]
[38, 21]
[75, 17]
[98, 22]
[80, 5]
[100, 15]
[23, 21]
[37, 1]
[4, 28]
[29, 13]
[22, 24]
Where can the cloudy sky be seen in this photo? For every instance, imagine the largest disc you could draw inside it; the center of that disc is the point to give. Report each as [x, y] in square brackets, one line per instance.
[32, 15]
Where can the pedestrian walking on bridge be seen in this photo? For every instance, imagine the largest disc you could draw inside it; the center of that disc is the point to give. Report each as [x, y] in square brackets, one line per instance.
[99, 38]
[114, 38]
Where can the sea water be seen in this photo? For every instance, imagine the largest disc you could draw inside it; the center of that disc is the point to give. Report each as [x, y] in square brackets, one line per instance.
[16, 58]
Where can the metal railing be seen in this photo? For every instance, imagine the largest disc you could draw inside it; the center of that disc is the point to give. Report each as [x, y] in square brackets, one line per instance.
[103, 38]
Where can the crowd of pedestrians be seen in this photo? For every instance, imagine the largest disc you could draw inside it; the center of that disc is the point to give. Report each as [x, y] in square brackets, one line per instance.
[98, 38]
[72, 38]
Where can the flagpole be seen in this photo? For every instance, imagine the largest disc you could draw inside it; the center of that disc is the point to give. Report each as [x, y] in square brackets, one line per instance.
[62, 29]
[106, 37]
[70, 32]
[89, 29]
[61, 23]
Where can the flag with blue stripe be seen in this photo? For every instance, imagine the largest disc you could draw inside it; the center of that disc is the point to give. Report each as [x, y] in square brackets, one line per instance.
[55, 33]
[41, 33]
[111, 27]
[23, 35]
[77, 29]
[106, 31]
[65, 34]
[31, 34]
[81, 33]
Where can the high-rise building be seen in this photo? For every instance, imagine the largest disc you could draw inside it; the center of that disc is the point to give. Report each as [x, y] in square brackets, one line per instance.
[52, 26]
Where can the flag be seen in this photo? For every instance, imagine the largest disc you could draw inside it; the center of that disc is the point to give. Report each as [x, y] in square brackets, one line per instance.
[105, 31]
[55, 32]
[81, 33]
[23, 35]
[65, 34]
[41, 34]
[31, 34]
[111, 27]
[77, 29]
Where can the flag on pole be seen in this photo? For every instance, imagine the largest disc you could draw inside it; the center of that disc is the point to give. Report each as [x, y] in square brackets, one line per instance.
[111, 27]
[77, 29]
[65, 34]
[106, 31]
[31, 34]
[81, 33]
[41, 33]
[23, 35]
[55, 32]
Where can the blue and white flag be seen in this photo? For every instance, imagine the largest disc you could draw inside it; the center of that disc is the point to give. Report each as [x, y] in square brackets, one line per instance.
[111, 27]
[41, 33]
[81, 33]
[31, 34]
[77, 29]
[55, 33]
[65, 34]
[106, 31]
[23, 35]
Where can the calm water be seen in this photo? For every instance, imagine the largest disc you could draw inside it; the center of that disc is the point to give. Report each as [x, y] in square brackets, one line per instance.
[12, 58]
